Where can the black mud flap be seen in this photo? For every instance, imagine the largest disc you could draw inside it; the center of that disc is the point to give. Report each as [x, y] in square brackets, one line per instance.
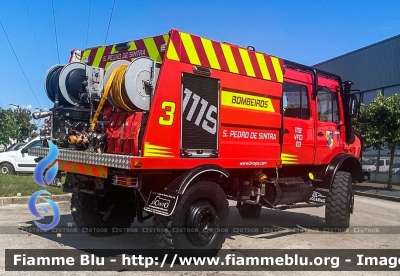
[319, 196]
[161, 203]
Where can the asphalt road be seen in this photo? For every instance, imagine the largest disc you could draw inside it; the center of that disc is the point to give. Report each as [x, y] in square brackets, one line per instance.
[370, 215]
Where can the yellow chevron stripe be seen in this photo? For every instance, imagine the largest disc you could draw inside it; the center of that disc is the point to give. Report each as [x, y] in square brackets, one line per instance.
[230, 60]
[113, 50]
[288, 162]
[85, 55]
[263, 66]
[247, 62]
[190, 49]
[156, 151]
[99, 56]
[150, 146]
[277, 68]
[171, 53]
[107, 65]
[288, 155]
[211, 56]
[156, 155]
[166, 38]
[152, 49]
[132, 46]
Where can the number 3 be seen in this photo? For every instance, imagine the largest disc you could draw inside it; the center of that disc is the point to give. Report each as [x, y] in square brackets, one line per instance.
[168, 118]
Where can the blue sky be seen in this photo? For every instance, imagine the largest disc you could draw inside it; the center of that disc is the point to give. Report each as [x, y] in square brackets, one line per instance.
[305, 31]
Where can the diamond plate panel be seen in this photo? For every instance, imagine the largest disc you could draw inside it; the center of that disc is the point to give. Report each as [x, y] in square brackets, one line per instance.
[102, 159]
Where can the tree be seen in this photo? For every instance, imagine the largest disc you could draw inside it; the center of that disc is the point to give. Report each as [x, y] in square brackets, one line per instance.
[16, 125]
[24, 121]
[379, 124]
[8, 126]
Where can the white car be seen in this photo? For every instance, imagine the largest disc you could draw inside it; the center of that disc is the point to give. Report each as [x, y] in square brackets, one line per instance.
[19, 161]
[370, 165]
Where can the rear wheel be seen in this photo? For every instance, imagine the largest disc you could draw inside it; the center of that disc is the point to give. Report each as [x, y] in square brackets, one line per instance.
[6, 168]
[199, 214]
[249, 211]
[340, 201]
[85, 216]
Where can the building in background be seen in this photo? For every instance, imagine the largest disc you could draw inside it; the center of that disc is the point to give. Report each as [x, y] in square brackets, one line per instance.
[371, 69]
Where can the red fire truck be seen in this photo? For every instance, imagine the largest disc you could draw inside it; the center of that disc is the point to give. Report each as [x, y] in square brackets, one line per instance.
[171, 127]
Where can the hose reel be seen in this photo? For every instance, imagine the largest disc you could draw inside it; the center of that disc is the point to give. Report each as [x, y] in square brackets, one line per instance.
[131, 84]
[66, 82]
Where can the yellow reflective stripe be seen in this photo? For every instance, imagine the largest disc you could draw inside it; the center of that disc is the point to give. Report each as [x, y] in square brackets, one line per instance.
[98, 57]
[153, 150]
[247, 62]
[171, 53]
[263, 66]
[113, 50]
[190, 49]
[85, 55]
[107, 65]
[152, 49]
[132, 46]
[211, 56]
[230, 60]
[288, 155]
[277, 68]
[288, 162]
[166, 38]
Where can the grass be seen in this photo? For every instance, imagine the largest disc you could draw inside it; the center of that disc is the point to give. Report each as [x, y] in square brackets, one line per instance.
[23, 185]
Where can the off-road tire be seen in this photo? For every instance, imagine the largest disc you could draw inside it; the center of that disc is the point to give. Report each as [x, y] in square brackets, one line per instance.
[204, 201]
[339, 201]
[86, 217]
[249, 211]
[8, 168]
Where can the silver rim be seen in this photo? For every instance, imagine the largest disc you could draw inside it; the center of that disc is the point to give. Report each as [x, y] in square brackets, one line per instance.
[4, 170]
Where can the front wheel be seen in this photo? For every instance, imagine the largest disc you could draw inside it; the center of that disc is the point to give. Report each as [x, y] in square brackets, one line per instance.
[196, 221]
[340, 201]
[6, 168]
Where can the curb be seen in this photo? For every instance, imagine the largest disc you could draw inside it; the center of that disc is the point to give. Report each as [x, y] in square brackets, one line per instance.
[24, 199]
[390, 198]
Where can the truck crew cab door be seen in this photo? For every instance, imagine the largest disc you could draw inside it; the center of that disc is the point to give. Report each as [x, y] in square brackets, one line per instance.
[329, 129]
[298, 125]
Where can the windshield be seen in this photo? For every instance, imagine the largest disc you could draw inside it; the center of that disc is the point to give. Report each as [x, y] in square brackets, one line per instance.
[370, 162]
[17, 147]
[396, 165]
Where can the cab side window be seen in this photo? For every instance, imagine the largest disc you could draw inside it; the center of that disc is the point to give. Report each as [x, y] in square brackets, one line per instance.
[327, 106]
[295, 101]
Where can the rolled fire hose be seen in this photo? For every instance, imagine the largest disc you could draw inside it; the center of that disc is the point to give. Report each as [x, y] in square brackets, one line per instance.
[116, 88]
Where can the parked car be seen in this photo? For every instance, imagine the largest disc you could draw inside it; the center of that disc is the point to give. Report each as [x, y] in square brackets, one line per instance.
[19, 160]
[370, 165]
[15, 146]
[396, 168]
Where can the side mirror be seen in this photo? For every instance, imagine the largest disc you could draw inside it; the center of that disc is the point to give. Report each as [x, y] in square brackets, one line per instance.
[354, 105]
[24, 150]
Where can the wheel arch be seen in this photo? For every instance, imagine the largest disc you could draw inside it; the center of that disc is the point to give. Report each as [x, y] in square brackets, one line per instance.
[343, 162]
[183, 182]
